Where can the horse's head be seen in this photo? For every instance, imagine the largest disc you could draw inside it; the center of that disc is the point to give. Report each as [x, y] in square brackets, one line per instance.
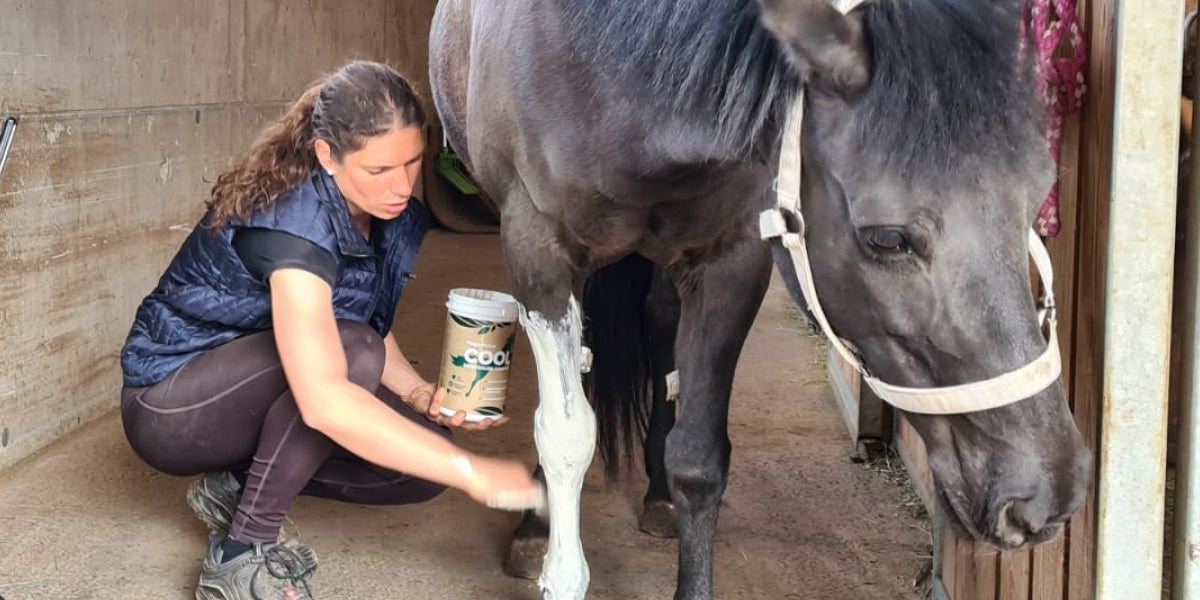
[924, 166]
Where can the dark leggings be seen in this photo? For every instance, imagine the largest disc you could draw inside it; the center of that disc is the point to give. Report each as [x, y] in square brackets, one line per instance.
[231, 409]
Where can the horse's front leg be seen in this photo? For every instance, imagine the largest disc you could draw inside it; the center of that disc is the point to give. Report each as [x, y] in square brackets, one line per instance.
[721, 295]
[565, 432]
[547, 284]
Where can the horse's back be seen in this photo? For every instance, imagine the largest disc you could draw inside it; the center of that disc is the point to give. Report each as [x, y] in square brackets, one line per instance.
[538, 117]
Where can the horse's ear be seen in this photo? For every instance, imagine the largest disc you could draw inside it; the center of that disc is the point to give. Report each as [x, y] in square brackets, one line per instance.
[830, 48]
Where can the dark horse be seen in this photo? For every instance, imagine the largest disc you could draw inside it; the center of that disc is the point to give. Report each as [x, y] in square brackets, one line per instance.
[608, 128]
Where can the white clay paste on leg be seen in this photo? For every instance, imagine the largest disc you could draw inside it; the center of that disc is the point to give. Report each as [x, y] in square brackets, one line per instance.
[565, 433]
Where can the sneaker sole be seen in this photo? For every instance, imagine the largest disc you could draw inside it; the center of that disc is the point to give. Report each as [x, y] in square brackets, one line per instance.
[209, 510]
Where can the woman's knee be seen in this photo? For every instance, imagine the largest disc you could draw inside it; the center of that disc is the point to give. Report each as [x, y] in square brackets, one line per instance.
[364, 351]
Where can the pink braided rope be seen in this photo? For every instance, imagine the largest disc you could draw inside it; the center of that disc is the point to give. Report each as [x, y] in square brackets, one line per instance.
[1060, 82]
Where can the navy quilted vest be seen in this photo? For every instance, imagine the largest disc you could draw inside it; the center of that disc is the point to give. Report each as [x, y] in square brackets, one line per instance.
[207, 298]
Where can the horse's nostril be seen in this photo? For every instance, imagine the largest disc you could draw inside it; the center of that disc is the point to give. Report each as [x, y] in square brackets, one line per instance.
[1009, 530]
[1019, 521]
[1032, 525]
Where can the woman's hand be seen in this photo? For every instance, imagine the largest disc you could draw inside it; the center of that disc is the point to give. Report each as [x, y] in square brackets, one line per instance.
[427, 399]
[422, 398]
[501, 484]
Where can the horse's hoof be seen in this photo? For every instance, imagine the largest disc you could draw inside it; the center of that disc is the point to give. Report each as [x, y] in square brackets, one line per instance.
[659, 519]
[525, 556]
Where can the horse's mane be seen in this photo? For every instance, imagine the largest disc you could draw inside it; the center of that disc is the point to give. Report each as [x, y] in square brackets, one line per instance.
[703, 60]
[943, 73]
[948, 79]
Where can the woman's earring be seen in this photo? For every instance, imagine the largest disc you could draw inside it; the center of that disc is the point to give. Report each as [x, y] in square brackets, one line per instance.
[329, 172]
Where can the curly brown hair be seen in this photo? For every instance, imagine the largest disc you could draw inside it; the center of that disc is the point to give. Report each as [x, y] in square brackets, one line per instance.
[361, 100]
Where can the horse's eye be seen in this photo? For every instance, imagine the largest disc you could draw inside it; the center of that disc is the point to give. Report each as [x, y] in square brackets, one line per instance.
[887, 239]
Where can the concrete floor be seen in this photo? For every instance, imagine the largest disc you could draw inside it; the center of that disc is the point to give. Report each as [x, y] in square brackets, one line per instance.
[85, 519]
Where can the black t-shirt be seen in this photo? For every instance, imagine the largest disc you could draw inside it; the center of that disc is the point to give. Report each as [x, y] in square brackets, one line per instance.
[264, 250]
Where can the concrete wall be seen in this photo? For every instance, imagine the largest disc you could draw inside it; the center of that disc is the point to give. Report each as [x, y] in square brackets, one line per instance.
[129, 109]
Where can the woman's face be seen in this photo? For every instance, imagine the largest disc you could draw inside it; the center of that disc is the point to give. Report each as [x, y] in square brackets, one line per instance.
[377, 179]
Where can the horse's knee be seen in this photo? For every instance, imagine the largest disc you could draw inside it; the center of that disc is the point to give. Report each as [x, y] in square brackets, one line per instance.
[696, 482]
[364, 353]
[695, 471]
[566, 450]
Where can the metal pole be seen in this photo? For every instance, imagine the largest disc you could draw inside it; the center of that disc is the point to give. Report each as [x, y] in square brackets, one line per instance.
[1186, 570]
[1141, 244]
[6, 137]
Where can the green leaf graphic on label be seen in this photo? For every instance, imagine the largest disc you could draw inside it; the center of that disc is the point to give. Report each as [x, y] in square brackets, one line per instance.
[484, 330]
[479, 375]
[459, 361]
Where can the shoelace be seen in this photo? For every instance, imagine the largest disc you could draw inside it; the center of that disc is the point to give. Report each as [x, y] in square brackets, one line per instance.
[295, 564]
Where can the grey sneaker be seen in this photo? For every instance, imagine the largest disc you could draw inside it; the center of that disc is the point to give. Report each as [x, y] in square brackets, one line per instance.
[269, 571]
[214, 498]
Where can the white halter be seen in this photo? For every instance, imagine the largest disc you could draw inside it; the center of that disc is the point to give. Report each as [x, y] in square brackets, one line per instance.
[969, 397]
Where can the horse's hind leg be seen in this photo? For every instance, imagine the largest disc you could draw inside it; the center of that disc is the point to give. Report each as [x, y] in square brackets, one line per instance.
[720, 298]
[659, 517]
[547, 283]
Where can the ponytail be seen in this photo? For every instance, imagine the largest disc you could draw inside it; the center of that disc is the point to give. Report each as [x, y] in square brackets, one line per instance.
[279, 160]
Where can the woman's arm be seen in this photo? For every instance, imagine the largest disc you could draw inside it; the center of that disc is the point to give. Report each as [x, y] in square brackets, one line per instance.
[399, 374]
[315, 366]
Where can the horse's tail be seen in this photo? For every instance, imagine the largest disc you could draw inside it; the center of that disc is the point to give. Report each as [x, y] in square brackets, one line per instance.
[615, 329]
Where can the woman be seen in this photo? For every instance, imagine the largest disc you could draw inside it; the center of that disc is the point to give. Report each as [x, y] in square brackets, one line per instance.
[265, 358]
